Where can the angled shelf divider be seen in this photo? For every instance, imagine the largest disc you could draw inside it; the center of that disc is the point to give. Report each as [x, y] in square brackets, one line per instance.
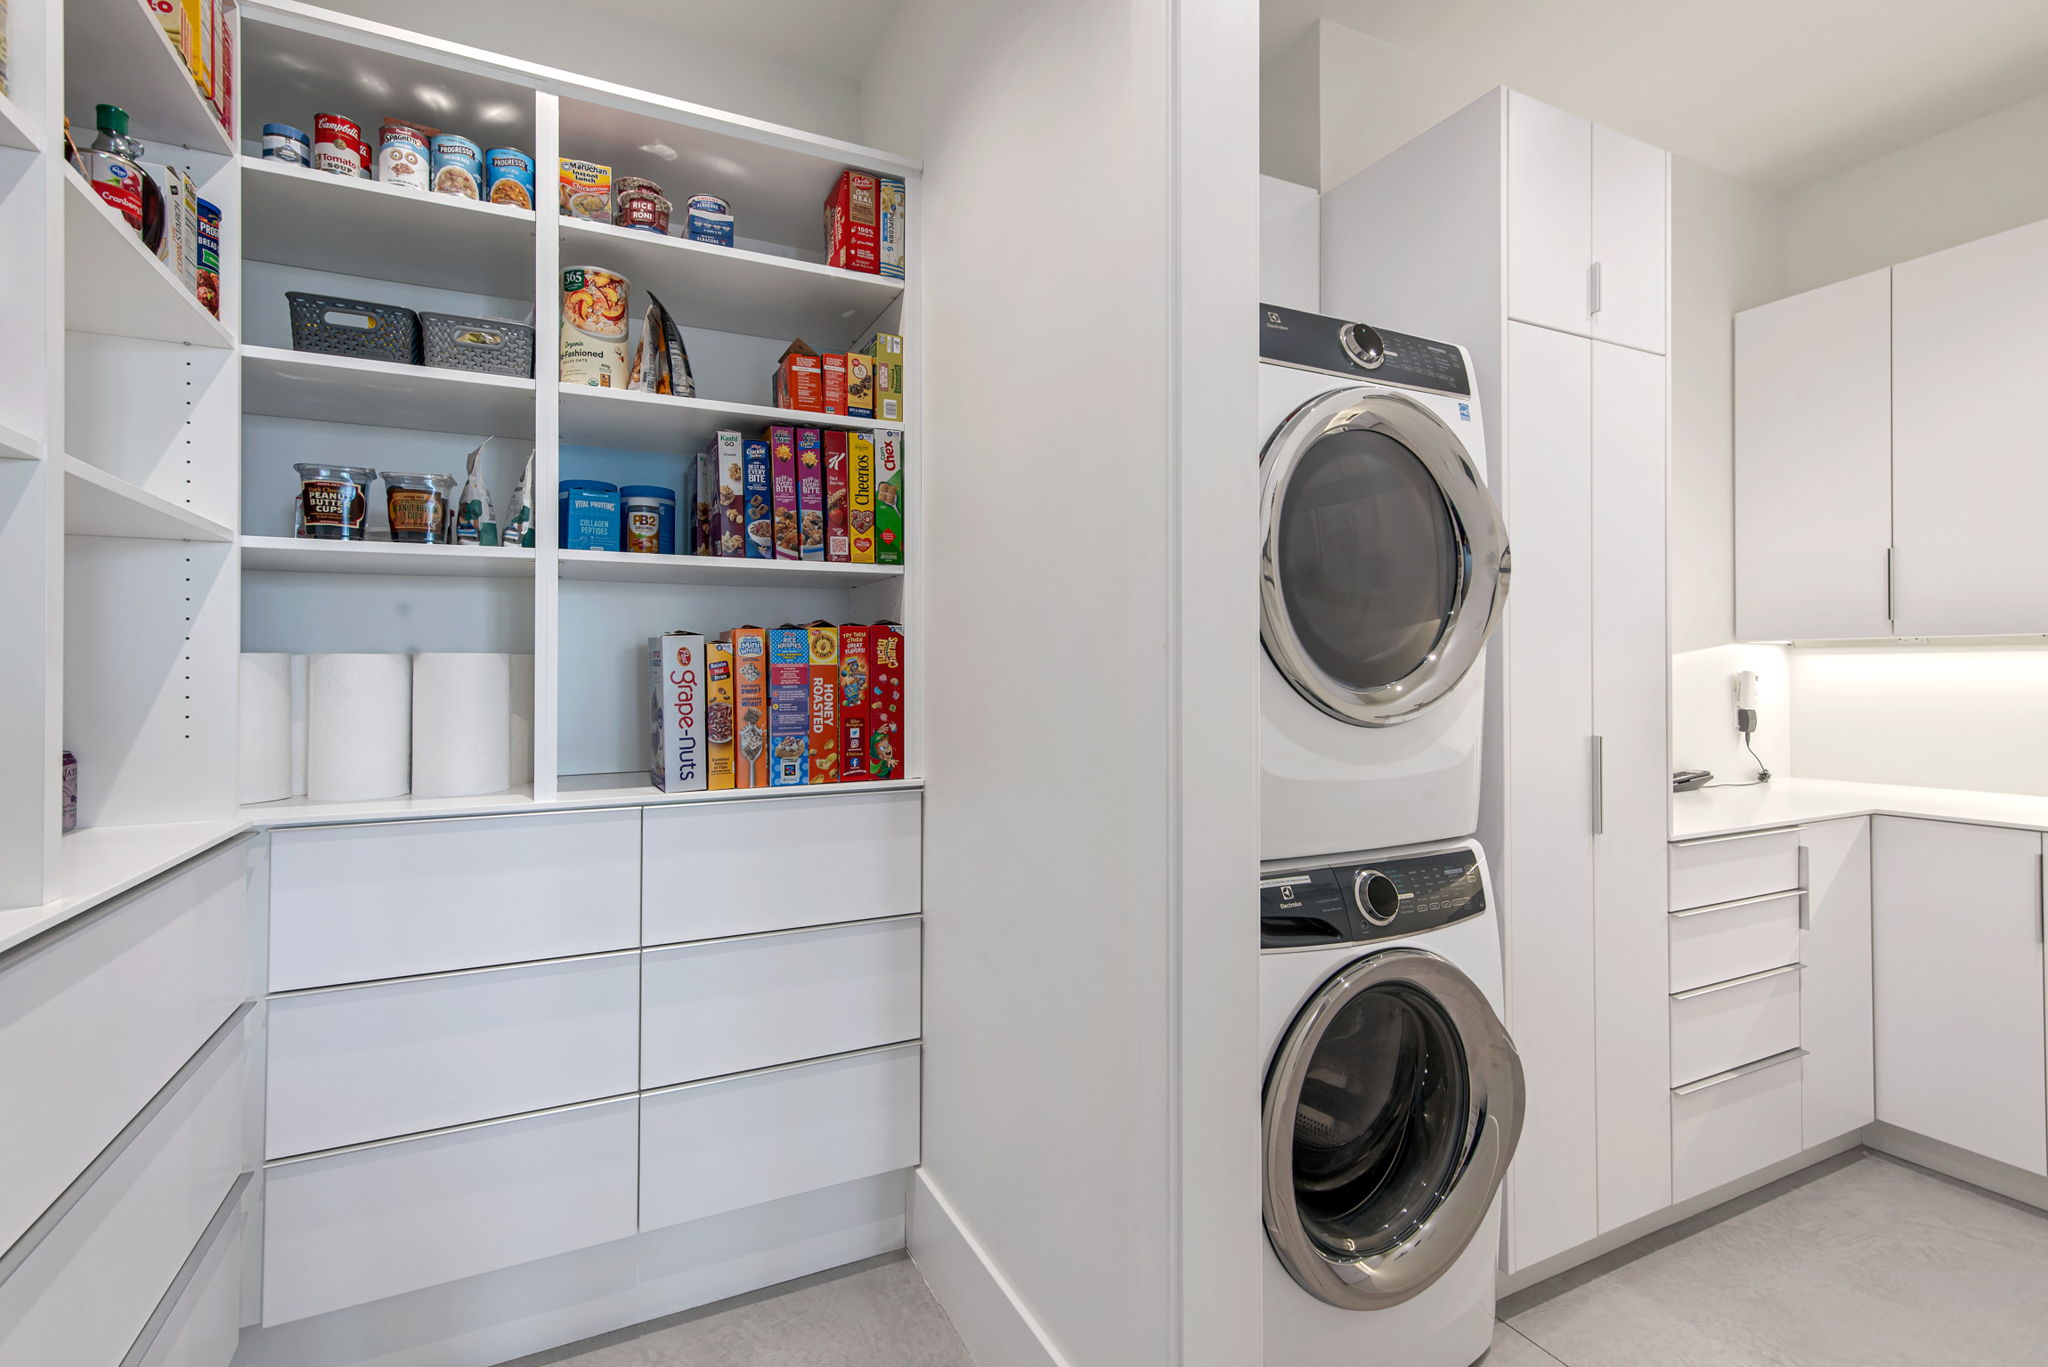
[116, 286]
[117, 45]
[99, 504]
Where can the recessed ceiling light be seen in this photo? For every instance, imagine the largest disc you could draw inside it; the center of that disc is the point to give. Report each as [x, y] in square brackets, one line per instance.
[660, 149]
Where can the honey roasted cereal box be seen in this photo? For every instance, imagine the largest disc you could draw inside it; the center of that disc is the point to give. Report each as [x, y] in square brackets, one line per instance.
[789, 706]
[837, 547]
[890, 496]
[860, 496]
[782, 458]
[810, 493]
[676, 751]
[749, 647]
[824, 740]
[885, 702]
[719, 762]
[856, 669]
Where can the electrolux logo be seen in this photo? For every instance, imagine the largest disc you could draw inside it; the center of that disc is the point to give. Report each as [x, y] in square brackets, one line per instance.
[1464, 412]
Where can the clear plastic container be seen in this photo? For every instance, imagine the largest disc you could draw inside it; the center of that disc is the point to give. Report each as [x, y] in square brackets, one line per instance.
[417, 506]
[334, 502]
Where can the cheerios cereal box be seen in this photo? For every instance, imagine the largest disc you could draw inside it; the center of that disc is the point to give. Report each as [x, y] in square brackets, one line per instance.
[824, 744]
[789, 706]
[749, 647]
[856, 669]
[860, 496]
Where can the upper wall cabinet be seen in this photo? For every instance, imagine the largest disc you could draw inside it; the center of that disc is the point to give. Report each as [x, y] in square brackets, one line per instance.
[1586, 253]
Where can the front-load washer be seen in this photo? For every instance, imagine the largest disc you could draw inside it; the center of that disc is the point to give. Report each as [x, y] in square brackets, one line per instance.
[1393, 1104]
[1383, 572]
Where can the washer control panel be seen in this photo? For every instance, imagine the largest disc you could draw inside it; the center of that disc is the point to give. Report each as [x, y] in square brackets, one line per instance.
[1375, 899]
[1310, 341]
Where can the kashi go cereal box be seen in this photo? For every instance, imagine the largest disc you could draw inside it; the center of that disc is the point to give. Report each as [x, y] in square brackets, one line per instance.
[853, 223]
[676, 670]
[749, 646]
[890, 495]
[810, 493]
[800, 378]
[719, 716]
[832, 366]
[860, 496]
[824, 740]
[731, 519]
[856, 670]
[789, 706]
[885, 702]
[760, 509]
[838, 548]
[860, 385]
[782, 463]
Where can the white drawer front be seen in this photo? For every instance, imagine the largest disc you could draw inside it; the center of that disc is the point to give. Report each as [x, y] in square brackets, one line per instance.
[93, 1023]
[355, 1227]
[736, 868]
[356, 903]
[90, 1287]
[1717, 1028]
[736, 1005]
[1714, 944]
[366, 1063]
[1727, 869]
[205, 1325]
[718, 1146]
[1732, 1128]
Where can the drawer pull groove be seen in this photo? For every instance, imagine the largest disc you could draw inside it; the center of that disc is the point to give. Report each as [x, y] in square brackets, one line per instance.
[1733, 1073]
[1745, 979]
[1738, 902]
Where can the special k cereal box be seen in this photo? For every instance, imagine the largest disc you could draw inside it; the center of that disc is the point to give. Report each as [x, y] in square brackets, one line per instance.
[676, 670]
[782, 467]
[856, 670]
[885, 702]
[731, 519]
[810, 493]
[750, 706]
[890, 496]
[838, 548]
[789, 706]
[860, 385]
[860, 496]
[824, 703]
[718, 715]
[834, 369]
[853, 223]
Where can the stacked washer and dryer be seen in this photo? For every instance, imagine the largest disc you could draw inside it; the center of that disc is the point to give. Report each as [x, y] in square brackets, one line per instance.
[1393, 1095]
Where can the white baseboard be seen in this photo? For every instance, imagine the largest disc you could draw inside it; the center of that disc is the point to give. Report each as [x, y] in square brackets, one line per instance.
[997, 1327]
[2001, 1179]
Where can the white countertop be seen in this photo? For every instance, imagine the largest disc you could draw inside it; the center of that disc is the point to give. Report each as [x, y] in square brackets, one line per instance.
[1795, 801]
[100, 862]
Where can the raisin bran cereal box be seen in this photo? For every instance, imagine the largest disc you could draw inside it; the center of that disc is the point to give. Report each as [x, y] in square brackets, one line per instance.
[789, 707]
[853, 223]
[860, 496]
[782, 464]
[838, 548]
[860, 385]
[799, 380]
[760, 510]
[810, 493]
[824, 702]
[856, 668]
[885, 702]
[676, 670]
[731, 521]
[749, 646]
[889, 497]
[833, 367]
[718, 715]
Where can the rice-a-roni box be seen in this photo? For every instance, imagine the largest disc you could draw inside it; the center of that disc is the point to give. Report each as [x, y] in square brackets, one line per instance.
[676, 742]
[789, 706]
[885, 703]
[719, 716]
[750, 706]
[824, 743]
[856, 666]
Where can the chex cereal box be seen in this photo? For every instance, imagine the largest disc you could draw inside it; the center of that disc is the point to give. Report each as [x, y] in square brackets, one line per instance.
[760, 512]
[860, 496]
[719, 762]
[837, 547]
[676, 671]
[889, 497]
[789, 706]
[731, 520]
[750, 706]
[824, 703]
[885, 702]
[856, 668]
[810, 493]
[860, 385]
[894, 217]
[833, 366]
[853, 223]
[782, 465]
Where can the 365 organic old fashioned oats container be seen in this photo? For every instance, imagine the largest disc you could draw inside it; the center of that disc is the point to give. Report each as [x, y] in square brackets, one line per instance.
[594, 327]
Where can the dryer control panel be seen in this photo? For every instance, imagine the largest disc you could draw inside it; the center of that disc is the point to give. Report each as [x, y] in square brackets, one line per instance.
[1372, 899]
[1310, 341]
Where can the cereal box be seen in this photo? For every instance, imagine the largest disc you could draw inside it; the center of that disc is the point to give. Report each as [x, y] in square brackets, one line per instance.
[833, 366]
[860, 496]
[856, 668]
[860, 385]
[789, 706]
[676, 670]
[799, 380]
[810, 493]
[749, 647]
[760, 512]
[886, 350]
[824, 740]
[705, 513]
[587, 191]
[718, 715]
[852, 223]
[892, 224]
[889, 497]
[885, 702]
[782, 459]
[837, 547]
[730, 519]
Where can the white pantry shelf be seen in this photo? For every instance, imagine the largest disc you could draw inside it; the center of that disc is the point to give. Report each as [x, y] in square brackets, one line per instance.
[16, 128]
[99, 862]
[731, 289]
[574, 790]
[303, 811]
[636, 421]
[306, 384]
[99, 504]
[115, 285]
[114, 50]
[297, 216]
[706, 571]
[307, 555]
[633, 789]
[16, 445]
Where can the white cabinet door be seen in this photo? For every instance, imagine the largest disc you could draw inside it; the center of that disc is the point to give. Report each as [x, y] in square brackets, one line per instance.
[1630, 189]
[1958, 975]
[1546, 867]
[1813, 463]
[1630, 658]
[1969, 458]
[1550, 217]
[1834, 991]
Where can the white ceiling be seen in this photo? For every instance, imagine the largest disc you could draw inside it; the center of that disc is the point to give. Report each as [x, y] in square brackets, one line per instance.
[1780, 92]
[836, 37]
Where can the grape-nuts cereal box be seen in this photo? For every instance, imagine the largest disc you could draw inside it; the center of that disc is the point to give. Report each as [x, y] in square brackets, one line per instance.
[885, 702]
[810, 493]
[718, 715]
[824, 703]
[890, 496]
[789, 707]
[782, 457]
[856, 668]
[838, 548]
[676, 670]
[760, 515]
[749, 647]
[860, 496]
[731, 515]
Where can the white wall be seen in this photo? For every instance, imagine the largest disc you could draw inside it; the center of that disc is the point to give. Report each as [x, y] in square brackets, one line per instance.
[1703, 734]
[1291, 112]
[1290, 229]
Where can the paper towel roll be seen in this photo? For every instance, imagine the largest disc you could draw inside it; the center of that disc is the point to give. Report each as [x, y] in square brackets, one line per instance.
[522, 719]
[358, 727]
[299, 724]
[265, 756]
[461, 724]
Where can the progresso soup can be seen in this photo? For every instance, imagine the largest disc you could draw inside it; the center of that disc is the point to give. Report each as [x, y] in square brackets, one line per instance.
[458, 167]
[510, 177]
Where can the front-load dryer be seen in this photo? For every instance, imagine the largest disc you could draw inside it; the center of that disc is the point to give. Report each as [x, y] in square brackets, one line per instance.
[1383, 572]
[1393, 1103]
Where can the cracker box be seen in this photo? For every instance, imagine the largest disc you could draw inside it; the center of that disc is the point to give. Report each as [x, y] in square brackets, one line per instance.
[719, 763]
[749, 647]
[760, 511]
[731, 513]
[705, 516]
[587, 191]
[890, 494]
[856, 670]
[799, 380]
[893, 220]
[860, 385]
[789, 707]
[832, 365]
[810, 493]
[838, 548]
[885, 702]
[860, 497]
[824, 739]
[886, 350]
[853, 223]
[782, 461]
[676, 671]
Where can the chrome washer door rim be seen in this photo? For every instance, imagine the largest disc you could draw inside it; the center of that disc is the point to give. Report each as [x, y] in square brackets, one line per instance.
[1481, 574]
[1493, 1127]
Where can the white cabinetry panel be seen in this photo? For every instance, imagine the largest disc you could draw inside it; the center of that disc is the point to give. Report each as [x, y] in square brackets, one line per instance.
[1730, 868]
[1550, 217]
[1713, 944]
[1733, 1024]
[204, 1327]
[1728, 1128]
[1835, 990]
[1630, 191]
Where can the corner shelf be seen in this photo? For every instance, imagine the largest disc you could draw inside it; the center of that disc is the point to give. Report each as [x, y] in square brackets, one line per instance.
[297, 555]
[133, 62]
[637, 421]
[19, 445]
[278, 383]
[98, 862]
[99, 504]
[16, 130]
[704, 571]
[115, 285]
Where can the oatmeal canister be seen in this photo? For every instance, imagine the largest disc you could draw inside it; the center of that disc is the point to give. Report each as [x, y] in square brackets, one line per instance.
[509, 177]
[402, 157]
[334, 501]
[458, 167]
[593, 327]
[335, 140]
[417, 507]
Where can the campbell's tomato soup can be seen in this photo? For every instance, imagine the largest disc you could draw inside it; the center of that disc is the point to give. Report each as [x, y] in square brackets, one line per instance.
[336, 141]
